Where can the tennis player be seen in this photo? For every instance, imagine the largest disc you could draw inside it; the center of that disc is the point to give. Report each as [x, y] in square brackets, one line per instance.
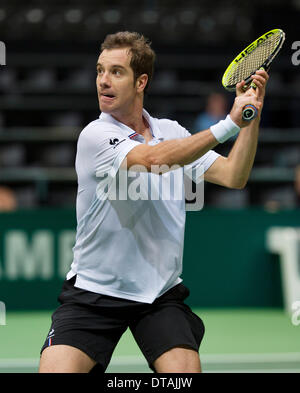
[128, 252]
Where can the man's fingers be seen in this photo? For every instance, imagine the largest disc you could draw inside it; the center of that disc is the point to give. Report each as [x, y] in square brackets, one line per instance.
[247, 95]
[262, 73]
[259, 80]
[239, 88]
[258, 83]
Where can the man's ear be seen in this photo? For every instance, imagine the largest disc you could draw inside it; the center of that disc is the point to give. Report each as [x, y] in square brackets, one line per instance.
[141, 82]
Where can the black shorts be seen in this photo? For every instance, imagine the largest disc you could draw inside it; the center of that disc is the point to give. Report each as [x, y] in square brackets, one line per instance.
[95, 323]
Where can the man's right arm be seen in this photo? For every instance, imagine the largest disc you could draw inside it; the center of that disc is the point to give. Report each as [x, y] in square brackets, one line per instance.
[184, 151]
[181, 151]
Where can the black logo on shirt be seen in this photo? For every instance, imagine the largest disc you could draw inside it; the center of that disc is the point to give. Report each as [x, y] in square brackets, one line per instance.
[113, 141]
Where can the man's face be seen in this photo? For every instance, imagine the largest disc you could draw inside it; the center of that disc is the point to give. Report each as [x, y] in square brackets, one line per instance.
[115, 81]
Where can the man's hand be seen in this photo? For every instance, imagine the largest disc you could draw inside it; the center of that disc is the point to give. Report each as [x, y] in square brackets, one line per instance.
[249, 96]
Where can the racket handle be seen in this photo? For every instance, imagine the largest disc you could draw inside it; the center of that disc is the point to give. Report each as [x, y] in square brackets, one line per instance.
[249, 112]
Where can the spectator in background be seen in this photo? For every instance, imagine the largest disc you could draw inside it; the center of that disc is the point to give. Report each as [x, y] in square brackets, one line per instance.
[8, 200]
[216, 110]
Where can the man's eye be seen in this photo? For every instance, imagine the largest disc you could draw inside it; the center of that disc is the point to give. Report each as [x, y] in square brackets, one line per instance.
[99, 71]
[117, 72]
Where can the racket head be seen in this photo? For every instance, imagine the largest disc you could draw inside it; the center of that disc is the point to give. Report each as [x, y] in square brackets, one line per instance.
[258, 55]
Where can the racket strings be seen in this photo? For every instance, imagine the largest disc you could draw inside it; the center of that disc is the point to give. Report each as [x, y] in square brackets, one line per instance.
[253, 61]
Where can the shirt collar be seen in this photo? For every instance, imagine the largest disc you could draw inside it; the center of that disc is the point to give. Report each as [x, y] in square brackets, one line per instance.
[156, 134]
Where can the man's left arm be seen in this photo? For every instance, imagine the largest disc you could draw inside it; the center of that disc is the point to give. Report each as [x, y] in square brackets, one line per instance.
[233, 171]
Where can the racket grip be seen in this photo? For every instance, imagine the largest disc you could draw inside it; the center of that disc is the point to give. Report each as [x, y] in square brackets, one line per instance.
[249, 112]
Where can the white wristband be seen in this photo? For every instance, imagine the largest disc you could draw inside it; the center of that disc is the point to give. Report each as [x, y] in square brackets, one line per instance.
[224, 129]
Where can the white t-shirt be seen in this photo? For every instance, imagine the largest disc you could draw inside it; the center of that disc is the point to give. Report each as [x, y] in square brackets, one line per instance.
[127, 246]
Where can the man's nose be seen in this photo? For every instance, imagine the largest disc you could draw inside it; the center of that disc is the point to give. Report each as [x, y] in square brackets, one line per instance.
[104, 80]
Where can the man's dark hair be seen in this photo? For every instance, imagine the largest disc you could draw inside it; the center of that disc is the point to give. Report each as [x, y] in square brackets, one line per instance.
[142, 55]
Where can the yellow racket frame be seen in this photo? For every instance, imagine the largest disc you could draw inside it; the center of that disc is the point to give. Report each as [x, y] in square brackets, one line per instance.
[242, 55]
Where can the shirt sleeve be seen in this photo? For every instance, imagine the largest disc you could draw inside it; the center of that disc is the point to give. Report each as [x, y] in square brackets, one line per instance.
[106, 148]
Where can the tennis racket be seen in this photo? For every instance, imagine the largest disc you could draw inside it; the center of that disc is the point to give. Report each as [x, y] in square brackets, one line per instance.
[258, 55]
